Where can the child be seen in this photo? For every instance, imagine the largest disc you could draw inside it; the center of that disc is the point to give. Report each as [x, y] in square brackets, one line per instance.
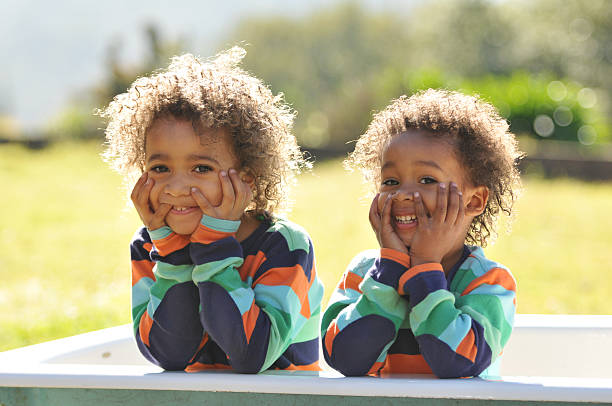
[444, 165]
[217, 280]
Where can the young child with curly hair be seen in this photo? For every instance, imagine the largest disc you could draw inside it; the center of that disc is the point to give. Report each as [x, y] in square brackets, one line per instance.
[444, 166]
[218, 281]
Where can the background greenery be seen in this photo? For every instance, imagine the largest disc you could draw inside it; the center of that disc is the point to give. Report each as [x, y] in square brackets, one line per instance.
[65, 227]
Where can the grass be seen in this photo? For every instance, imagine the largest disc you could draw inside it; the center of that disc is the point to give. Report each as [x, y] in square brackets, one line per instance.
[65, 228]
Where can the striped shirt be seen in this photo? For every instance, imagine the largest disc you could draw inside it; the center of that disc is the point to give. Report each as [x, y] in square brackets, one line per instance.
[213, 302]
[388, 317]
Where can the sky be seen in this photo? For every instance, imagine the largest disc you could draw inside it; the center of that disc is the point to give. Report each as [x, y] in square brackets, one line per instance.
[51, 50]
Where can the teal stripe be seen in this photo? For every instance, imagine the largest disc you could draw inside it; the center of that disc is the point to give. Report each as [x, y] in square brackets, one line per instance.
[137, 313]
[492, 335]
[296, 236]
[243, 298]
[179, 273]
[280, 334]
[382, 299]
[225, 226]
[278, 296]
[152, 306]
[315, 295]
[140, 291]
[420, 313]
[310, 329]
[346, 317]
[504, 295]
[456, 331]
[204, 272]
[160, 233]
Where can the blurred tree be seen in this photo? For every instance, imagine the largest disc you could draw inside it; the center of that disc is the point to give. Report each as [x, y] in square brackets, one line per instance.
[78, 119]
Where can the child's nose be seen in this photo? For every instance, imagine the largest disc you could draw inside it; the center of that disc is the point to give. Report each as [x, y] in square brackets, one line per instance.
[178, 186]
[405, 192]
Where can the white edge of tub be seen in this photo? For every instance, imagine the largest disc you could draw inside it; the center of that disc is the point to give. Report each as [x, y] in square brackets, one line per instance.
[41, 366]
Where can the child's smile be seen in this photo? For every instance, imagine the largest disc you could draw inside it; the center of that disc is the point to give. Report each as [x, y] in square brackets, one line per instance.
[415, 162]
[177, 159]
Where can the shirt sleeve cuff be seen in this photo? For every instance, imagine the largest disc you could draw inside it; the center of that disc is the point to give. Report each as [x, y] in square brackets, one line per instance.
[213, 229]
[167, 241]
[422, 279]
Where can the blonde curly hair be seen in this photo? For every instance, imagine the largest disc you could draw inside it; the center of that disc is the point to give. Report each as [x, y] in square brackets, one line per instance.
[486, 149]
[214, 93]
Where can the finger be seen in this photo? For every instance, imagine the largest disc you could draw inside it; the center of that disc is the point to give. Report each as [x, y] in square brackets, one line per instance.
[441, 204]
[374, 215]
[159, 217]
[453, 204]
[461, 210]
[419, 209]
[138, 186]
[201, 200]
[386, 211]
[238, 187]
[228, 190]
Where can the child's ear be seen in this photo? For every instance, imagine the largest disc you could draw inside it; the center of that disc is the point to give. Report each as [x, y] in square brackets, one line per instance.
[476, 201]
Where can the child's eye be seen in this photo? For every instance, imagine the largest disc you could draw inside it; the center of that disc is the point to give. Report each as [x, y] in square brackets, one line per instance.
[160, 169]
[427, 179]
[390, 182]
[202, 168]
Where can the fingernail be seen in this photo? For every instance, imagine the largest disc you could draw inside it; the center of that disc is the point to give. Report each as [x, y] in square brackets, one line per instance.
[223, 173]
[232, 171]
[416, 194]
[442, 185]
[194, 189]
[453, 184]
[148, 181]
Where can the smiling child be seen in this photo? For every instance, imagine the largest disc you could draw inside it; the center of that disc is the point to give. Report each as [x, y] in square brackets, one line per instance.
[218, 281]
[444, 165]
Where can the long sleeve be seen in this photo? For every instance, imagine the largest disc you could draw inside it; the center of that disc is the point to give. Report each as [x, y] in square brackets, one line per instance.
[262, 308]
[164, 299]
[364, 313]
[462, 328]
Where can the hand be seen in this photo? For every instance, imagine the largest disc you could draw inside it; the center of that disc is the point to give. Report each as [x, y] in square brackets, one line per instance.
[237, 195]
[140, 197]
[381, 224]
[437, 235]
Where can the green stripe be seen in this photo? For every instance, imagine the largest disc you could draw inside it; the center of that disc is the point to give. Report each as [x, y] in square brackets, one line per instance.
[204, 272]
[160, 233]
[137, 313]
[383, 300]
[179, 273]
[279, 340]
[421, 312]
[309, 330]
[225, 226]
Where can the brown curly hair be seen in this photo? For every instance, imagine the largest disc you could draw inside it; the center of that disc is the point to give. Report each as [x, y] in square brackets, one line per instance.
[214, 93]
[486, 149]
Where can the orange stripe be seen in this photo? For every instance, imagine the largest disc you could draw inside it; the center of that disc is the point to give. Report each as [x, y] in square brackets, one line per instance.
[351, 281]
[251, 264]
[415, 270]
[205, 235]
[202, 344]
[396, 256]
[496, 276]
[146, 322]
[148, 246]
[171, 243]
[374, 371]
[142, 269]
[330, 334]
[467, 348]
[249, 319]
[198, 366]
[292, 276]
[405, 364]
[310, 367]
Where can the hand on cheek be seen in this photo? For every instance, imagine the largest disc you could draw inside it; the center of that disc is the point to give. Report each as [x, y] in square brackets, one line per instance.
[436, 235]
[141, 198]
[381, 224]
[236, 196]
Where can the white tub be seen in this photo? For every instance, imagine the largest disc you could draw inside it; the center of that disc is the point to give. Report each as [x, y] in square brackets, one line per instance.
[548, 359]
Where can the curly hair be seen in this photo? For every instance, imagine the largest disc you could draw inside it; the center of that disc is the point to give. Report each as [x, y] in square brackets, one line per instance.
[485, 148]
[211, 94]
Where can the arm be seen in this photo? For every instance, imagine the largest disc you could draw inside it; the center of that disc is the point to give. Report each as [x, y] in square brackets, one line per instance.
[364, 314]
[164, 300]
[253, 322]
[460, 334]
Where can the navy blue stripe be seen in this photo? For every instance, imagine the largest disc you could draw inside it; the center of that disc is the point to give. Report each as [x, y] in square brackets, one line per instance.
[218, 250]
[304, 353]
[405, 343]
[387, 271]
[421, 285]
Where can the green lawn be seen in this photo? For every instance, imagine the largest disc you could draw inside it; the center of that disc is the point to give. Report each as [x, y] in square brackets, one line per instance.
[65, 227]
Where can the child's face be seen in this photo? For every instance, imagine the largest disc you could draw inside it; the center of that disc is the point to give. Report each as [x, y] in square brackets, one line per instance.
[177, 159]
[416, 162]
